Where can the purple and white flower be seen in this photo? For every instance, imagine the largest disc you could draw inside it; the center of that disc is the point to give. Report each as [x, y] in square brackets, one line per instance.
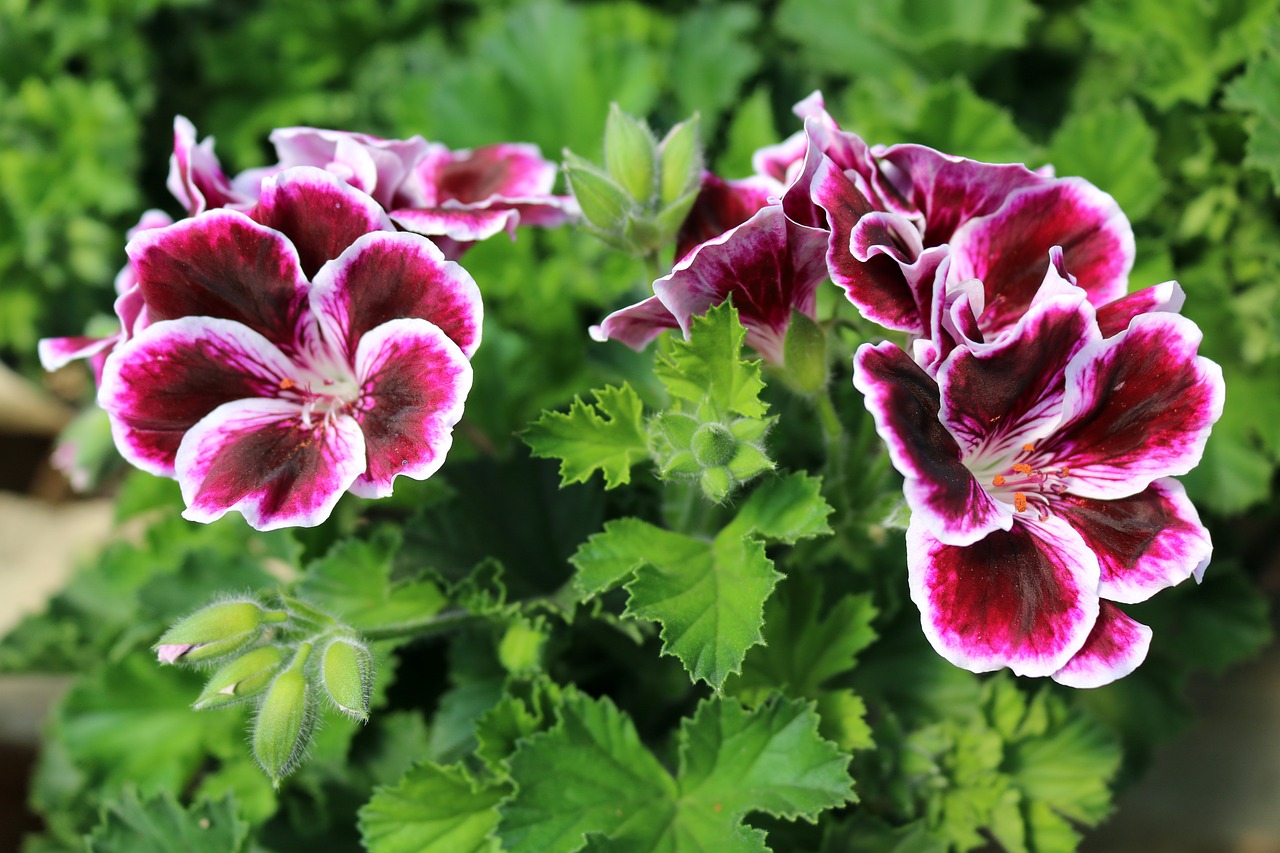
[1037, 468]
[294, 353]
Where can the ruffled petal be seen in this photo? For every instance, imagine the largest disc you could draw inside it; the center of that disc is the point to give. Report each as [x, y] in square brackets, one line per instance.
[720, 206]
[221, 264]
[1007, 249]
[266, 460]
[941, 492]
[390, 275]
[1025, 598]
[465, 225]
[320, 214]
[195, 175]
[415, 381]
[376, 166]
[159, 385]
[1114, 317]
[1144, 543]
[1116, 646]
[1138, 406]
[56, 353]
[769, 265]
[636, 325]
[504, 170]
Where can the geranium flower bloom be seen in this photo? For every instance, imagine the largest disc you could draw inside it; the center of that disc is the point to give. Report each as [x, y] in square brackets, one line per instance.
[292, 355]
[1037, 471]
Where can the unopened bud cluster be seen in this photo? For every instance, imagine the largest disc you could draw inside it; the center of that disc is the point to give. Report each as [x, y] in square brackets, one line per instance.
[283, 660]
[639, 199]
[722, 456]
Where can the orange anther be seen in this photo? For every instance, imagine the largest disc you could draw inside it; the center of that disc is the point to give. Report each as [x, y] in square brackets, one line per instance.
[1066, 471]
[286, 384]
[1019, 501]
[1028, 447]
[998, 480]
[1022, 468]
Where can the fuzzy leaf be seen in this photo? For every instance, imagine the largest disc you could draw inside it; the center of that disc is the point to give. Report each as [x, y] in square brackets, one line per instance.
[433, 809]
[1113, 147]
[160, 825]
[607, 435]
[1257, 92]
[708, 368]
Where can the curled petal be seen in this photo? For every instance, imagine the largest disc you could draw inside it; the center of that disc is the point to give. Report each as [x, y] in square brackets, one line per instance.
[221, 264]
[1144, 543]
[720, 206]
[1116, 646]
[1114, 317]
[636, 325]
[195, 175]
[320, 214]
[1025, 598]
[1139, 406]
[270, 462]
[390, 275]
[462, 224]
[942, 493]
[159, 385]
[56, 353]
[376, 166]
[504, 170]
[415, 381]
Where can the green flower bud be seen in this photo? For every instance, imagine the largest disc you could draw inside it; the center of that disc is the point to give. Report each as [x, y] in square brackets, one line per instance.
[520, 649]
[804, 354]
[629, 154]
[716, 483]
[282, 727]
[240, 679]
[214, 631]
[606, 207]
[346, 671]
[680, 163]
[714, 445]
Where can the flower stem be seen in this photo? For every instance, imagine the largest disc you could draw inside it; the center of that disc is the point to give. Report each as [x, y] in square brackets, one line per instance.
[425, 626]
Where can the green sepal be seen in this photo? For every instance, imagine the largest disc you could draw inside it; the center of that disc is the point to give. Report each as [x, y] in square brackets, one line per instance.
[240, 679]
[805, 354]
[346, 672]
[605, 206]
[630, 152]
[749, 461]
[680, 163]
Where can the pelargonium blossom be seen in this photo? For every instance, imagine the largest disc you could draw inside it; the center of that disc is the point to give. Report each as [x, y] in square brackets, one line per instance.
[1038, 473]
[292, 355]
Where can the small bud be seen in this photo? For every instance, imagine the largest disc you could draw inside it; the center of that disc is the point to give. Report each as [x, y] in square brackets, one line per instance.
[521, 647]
[213, 631]
[714, 445]
[629, 154]
[282, 727]
[240, 679]
[605, 205]
[680, 163]
[346, 671]
[805, 354]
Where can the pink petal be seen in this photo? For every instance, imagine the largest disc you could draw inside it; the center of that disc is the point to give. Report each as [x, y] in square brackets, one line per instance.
[1115, 648]
[266, 460]
[457, 223]
[636, 325]
[1144, 543]
[378, 167]
[720, 206]
[415, 381]
[1138, 406]
[56, 353]
[320, 214]
[505, 170]
[195, 175]
[941, 492]
[1114, 317]
[1025, 598]
[221, 264]
[171, 653]
[769, 265]
[159, 385]
[390, 275]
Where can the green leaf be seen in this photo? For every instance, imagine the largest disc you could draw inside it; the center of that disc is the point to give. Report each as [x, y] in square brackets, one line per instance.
[607, 435]
[1113, 147]
[1257, 92]
[786, 510]
[750, 129]
[708, 368]
[160, 825]
[712, 57]
[433, 809]
[589, 779]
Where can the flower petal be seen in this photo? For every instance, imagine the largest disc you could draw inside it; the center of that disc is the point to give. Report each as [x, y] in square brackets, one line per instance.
[221, 264]
[56, 353]
[941, 492]
[1023, 598]
[720, 206]
[264, 459]
[389, 275]
[195, 175]
[1116, 646]
[1144, 543]
[1114, 317]
[466, 225]
[1138, 406]
[319, 213]
[636, 325]
[1007, 249]
[159, 385]
[415, 382]
[769, 265]
[377, 166]
[504, 170]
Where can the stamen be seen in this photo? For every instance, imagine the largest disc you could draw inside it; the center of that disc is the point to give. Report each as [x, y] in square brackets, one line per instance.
[286, 384]
[1028, 447]
[1066, 472]
[1019, 501]
[998, 480]
[1022, 468]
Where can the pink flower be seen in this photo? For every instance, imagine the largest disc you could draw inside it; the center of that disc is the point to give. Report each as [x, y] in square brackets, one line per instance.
[294, 353]
[1037, 469]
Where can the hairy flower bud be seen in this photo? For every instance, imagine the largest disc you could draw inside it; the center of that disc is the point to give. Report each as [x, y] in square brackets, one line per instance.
[629, 154]
[282, 727]
[805, 354]
[346, 672]
[214, 631]
[240, 679]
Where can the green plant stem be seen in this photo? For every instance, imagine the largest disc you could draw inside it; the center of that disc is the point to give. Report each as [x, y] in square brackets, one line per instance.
[426, 626]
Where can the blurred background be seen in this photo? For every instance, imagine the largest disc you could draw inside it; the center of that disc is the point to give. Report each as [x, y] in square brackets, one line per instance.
[1172, 106]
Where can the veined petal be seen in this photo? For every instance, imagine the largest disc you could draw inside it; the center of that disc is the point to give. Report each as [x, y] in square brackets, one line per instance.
[378, 166]
[1025, 598]
[1007, 249]
[195, 175]
[268, 461]
[940, 490]
[56, 353]
[505, 170]
[769, 265]
[390, 275]
[1005, 394]
[221, 264]
[1115, 648]
[321, 214]
[159, 385]
[636, 325]
[1114, 317]
[415, 381]
[463, 224]
[720, 206]
[1144, 543]
[1139, 406]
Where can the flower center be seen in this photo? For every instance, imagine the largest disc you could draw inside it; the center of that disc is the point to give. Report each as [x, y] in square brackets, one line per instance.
[321, 397]
[1032, 482]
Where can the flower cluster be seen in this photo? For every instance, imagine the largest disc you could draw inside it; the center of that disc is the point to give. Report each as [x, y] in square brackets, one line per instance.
[305, 331]
[1036, 410]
